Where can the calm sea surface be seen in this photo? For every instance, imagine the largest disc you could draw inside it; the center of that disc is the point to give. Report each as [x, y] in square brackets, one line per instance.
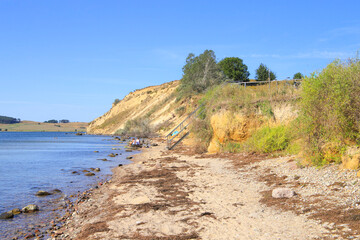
[35, 161]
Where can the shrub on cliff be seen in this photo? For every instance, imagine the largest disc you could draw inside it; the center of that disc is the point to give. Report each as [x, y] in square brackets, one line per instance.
[330, 109]
[138, 127]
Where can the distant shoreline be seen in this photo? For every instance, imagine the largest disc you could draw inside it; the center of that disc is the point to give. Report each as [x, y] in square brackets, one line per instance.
[30, 126]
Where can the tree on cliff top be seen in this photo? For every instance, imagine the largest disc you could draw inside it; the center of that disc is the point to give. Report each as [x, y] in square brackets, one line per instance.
[262, 73]
[199, 73]
[298, 76]
[235, 69]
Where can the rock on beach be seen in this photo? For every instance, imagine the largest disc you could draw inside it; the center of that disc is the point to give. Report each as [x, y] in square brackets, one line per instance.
[30, 208]
[42, 193]
[283, 193]
[6, 215]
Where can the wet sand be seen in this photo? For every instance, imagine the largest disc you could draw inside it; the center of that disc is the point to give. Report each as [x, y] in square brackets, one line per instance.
[180, 195]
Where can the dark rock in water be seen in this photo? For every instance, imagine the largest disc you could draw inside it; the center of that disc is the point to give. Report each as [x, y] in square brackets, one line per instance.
[120, 165]
[96, 151]
[56, 191]
[103, 159]
[74, 172]
[129, 157]
[79, 134]
[6, 215]
[92, 169]
[116, 138]
[97, 169]
[85, 170]
[154, 144]
[89, 174]
[128, 150]
[111, 155]
[30, 208]
[16, 211]
[42, 193]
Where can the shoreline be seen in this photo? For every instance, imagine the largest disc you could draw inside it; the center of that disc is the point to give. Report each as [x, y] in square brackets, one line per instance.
[56, 207]
[178, 195]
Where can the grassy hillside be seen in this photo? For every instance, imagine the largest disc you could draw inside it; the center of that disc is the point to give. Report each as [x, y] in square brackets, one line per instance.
[30, 126]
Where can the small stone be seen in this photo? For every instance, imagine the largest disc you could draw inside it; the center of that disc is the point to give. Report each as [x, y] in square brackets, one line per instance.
[96, 151]
[6, 215]
[158, 165]
[111, 155]
[42, 193]
[97, 169]
[283, 193]
[129, 157]
[128, 150]
[89, 174]
[120, 165]
[30, 208]
[16, 211]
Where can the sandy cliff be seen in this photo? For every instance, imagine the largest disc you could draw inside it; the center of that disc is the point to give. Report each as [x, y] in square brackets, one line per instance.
[153, 102]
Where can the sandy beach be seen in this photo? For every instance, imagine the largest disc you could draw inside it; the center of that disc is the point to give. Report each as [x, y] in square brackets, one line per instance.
[180, 195]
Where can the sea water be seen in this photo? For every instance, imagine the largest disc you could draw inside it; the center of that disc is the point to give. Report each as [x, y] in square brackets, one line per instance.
[34, 161]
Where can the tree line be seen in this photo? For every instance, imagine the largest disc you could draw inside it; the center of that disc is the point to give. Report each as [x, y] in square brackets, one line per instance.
[57, 121]
[9, 120]
[200, 72]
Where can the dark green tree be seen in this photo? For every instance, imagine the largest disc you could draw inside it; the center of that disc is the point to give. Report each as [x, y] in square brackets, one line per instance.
[9, 120]
[262, 73]
[298, 76]
[235, 69]
[199, 73]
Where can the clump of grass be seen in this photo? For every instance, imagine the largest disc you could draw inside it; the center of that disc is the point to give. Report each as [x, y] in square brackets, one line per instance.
[180, 110]
[232, 147]
[268, 139]
[203, 133]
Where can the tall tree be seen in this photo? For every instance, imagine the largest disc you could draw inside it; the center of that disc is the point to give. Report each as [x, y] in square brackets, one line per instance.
[235, 69]
[298, 76]
[262, 73]
[200, 72]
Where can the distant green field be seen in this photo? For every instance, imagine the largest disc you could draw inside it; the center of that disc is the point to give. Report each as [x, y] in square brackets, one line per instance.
[29, 126]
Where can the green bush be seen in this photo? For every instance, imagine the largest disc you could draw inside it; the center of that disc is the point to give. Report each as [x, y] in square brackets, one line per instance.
[330, 108]
[138, 127]
[268, 139]
[116, 101]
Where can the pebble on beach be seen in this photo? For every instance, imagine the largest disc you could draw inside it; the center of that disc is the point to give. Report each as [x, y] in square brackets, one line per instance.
[30, 208]
[42, 193]
[6, 215]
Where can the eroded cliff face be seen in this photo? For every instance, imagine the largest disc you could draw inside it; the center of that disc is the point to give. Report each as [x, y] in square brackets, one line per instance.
[153, 102]
[238, 127]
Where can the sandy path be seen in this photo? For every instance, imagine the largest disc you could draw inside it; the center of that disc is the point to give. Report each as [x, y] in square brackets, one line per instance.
[167, 195]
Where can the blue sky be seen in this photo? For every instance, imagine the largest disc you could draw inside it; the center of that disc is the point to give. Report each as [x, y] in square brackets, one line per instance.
[71, 59]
